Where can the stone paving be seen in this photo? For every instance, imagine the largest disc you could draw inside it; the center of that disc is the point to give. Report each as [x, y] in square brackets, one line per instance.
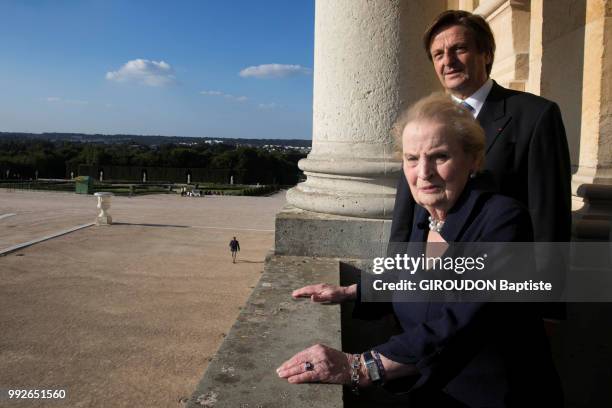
[271, 329]
[126, 315]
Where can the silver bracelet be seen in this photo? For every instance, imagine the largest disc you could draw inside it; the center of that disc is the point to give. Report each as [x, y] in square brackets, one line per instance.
[355, 366]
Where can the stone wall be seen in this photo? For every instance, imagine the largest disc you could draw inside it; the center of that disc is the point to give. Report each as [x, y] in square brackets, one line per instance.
[561, 50]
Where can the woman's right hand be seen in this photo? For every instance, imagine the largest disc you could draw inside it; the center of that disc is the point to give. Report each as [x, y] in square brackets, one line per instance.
[324, 292]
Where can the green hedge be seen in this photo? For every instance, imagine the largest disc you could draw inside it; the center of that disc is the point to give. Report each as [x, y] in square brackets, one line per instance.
[139, 189]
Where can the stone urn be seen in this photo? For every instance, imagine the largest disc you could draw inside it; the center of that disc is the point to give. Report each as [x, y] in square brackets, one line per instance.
[104, 203]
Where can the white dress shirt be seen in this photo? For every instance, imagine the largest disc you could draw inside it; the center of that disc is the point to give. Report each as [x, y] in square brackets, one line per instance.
[478, 98]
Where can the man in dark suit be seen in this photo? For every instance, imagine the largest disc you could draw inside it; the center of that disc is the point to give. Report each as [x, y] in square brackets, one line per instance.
[526, 149]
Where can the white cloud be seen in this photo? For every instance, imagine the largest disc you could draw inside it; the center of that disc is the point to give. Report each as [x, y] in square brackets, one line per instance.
[213, 93]
[226, 96]
[56, 99]
[237, 98]
[146, 72]
[274, 71]
[267, 106]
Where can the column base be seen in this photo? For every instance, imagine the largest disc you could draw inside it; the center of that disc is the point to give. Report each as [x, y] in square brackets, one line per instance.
[593, 220]
[348, 186]
[304, 233]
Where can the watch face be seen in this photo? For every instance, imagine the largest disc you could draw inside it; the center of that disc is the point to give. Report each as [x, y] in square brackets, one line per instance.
[374, 375]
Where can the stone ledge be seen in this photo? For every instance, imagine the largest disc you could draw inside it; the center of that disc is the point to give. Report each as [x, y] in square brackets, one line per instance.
[270, 329]
[305, 233]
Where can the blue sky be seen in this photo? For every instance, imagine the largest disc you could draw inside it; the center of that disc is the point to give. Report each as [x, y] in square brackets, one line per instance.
[214, 68]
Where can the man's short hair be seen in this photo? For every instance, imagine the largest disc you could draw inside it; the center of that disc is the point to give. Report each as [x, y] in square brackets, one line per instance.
[478, 26]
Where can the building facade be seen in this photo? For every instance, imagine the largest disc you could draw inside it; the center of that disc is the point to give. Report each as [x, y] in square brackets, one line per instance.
[369, 65]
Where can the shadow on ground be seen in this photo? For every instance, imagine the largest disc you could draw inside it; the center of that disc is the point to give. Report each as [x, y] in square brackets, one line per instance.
[247, 261]
[152, 225]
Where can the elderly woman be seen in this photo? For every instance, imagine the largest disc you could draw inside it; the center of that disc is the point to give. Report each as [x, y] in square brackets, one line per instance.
[455, 354]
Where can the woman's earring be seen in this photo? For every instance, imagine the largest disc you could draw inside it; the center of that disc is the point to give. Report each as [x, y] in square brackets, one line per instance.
[473, 175]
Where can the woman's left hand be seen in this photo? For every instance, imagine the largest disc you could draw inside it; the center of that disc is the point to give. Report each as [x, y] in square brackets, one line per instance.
[327, 365]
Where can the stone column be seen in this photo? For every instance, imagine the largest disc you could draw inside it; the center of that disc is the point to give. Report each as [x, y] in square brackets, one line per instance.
[592, 183]
[556, 61]
[509, 21]
[368, 65]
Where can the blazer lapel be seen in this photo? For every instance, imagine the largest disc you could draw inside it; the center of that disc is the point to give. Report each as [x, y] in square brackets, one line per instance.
[420, 226]
[460, 216]
[493, 117]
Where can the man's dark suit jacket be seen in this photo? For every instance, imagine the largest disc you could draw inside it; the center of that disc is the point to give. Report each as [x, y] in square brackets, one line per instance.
[476, 354]
[527, 153]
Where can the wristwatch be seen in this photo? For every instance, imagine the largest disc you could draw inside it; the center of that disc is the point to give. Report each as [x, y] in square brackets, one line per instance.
[375, 369]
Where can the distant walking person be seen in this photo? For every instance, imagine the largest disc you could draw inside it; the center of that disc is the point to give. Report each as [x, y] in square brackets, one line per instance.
[234, 247]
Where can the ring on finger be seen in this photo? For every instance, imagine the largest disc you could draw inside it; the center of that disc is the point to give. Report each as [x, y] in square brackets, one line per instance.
[308, 366]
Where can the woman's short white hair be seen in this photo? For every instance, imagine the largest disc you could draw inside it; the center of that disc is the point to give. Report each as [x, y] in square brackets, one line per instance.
[440, 108]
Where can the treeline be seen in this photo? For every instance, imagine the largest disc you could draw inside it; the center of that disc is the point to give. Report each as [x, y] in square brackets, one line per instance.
[28, 159]
[149, 140]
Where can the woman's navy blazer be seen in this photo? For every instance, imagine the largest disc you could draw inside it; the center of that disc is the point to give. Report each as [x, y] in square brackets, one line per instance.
[478, 354]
